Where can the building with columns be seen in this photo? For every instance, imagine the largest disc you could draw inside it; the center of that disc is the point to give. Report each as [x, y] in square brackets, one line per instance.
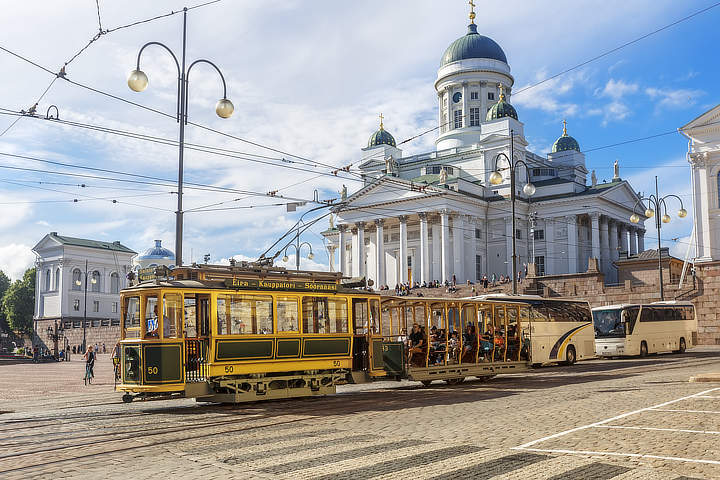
[437, 215]
[703, 134]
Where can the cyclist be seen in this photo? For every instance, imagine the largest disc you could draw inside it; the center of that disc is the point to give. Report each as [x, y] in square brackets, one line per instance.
[89, 365]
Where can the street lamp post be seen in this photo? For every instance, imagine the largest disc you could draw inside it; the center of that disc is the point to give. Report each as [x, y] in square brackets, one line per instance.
[138, 82]
[55, 335]
[528, 189]
[297, 245]
[656, 205]
[78, 282]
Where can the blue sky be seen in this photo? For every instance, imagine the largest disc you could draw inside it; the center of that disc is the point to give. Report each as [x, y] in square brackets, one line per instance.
[310, 78]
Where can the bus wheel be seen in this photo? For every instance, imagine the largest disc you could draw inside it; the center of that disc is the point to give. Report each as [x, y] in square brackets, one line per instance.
[570, 356]
[682, 346]
[426, 383]
[127, 398]
[643, 349]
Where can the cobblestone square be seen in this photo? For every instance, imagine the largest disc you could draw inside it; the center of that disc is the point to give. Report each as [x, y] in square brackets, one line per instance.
[601, 419]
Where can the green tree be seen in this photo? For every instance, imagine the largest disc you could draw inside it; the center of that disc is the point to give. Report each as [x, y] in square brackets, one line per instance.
[18, 303]
[4, 285]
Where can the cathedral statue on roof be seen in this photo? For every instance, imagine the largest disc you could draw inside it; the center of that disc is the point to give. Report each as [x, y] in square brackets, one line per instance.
[437, 215]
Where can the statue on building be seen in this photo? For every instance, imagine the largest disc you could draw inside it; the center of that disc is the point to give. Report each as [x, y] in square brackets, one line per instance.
[443, 176]
[330, 221]
[343, 193]
[616, 170]
[593, 178]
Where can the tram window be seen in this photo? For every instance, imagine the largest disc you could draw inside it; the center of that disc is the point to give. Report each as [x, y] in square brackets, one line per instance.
[244, 315]
[191, 329]
[131, 316]
[172, 315]
[151, 317]
[453, 320]
[419, 318]
[387, 315]
[375, 324]
[360, 316]
[325, 315]
[287, 314]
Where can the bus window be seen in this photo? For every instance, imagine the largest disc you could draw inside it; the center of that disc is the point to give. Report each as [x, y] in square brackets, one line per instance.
[172, 315]
[360, 315]
[151, 317]
[244, 315]
[131, 317]
[631, 316]
[647, 315]
[287, 314]
[608, 323]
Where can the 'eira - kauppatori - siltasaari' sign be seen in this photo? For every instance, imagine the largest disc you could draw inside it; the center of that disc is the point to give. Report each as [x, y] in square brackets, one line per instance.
[254, 284]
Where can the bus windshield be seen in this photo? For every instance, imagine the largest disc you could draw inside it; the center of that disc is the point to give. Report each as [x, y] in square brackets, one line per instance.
[608, 323]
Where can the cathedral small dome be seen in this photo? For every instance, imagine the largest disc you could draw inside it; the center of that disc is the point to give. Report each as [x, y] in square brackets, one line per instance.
[473, 45]
[501, 109]
[565, 142]
[158, 252]
[381, 137]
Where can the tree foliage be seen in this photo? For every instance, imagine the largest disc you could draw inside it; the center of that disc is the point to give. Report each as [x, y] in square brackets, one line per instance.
[4, 285]
[18, 303]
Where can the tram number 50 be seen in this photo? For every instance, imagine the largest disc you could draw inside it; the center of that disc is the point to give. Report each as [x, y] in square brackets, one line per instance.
[336, 363]
[152, 370]
[228, 368]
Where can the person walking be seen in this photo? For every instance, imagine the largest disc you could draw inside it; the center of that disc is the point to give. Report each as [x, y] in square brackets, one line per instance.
[89, 365]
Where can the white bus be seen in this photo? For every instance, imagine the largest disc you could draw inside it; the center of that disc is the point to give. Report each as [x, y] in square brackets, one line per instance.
[640, 329]
[559, 330]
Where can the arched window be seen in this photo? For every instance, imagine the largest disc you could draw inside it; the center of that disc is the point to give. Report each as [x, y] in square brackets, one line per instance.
[57, 279]
[95, 281]
[114, 283]
[47, 280]
[77, 279]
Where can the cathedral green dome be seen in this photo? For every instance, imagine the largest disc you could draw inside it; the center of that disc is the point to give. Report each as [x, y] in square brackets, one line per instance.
[501, 109]
[565, 142]
[473, 45]
[381, 137]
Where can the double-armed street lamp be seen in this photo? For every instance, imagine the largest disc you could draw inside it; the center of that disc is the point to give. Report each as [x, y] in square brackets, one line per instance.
[224, 108]
[496, 178]
[657, 206]
[297, 247]
[55, 334]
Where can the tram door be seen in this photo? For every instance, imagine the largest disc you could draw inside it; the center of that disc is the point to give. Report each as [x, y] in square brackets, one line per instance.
[197, 334]
[375, 339]
[360, 334]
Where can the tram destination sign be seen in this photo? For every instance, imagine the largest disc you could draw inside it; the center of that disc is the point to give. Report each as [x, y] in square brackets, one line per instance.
[257, 284]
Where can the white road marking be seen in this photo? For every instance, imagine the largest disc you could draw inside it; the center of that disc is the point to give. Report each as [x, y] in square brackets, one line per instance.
[708, 396]
[684, 411]
[710, 432]
[526, 446]
[602, 424]
[615, 454]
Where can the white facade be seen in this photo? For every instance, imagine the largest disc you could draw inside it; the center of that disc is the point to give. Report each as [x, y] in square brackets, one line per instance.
[436, 216]
[61, 265]
[704, 157]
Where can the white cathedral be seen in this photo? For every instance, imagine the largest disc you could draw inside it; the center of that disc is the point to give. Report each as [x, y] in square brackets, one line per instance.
[438, 215]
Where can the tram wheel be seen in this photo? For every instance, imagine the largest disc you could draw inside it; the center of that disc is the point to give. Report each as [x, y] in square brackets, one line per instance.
[127, 398]
[426, 383]
[455, 381]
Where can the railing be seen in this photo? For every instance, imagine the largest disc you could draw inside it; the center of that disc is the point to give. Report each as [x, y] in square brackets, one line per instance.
[196, 361]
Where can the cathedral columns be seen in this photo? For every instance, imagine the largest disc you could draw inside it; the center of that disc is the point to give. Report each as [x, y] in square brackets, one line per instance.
[379, 253]
[465, 115]
[331, 257]
[424, 264]
[595, 234]
[403, 249]
[633, 241]
[572, 243]
[550, 253]
[436, 250]
[641, 240]
[604, 246]
[508, 245]
[361, 254]
[613, 244]
[341, 249]
[458, 248]
[444, 247]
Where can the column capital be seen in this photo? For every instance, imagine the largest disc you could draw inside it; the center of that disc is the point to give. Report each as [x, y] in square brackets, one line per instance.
[379, 222]
[342, 228]
[402, 218]
[444, 211]
[595, 216]
[360, 225]
[423, 216]
[571, 218]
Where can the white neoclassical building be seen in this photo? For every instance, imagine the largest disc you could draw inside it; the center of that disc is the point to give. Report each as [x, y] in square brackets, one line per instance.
[437, 215]
[79, 278]
[704, 157]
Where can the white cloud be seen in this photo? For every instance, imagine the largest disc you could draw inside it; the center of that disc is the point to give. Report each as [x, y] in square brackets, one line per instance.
[550, 96]
[617, 109]
[15, 258]
[673, 98]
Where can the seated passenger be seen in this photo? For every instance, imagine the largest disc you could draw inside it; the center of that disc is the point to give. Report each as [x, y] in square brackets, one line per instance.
[469, 344]
[416, 352]
[453, 347]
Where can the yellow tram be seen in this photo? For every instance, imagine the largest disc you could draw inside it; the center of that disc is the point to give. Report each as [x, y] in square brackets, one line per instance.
[249, 332]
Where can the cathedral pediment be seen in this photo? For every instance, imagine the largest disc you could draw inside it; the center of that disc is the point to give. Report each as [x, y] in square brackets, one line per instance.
[619, 193]
[389, 189]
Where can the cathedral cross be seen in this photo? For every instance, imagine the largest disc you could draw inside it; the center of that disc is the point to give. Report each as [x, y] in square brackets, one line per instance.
[564, 127]
[381, 121]
[472, 11]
